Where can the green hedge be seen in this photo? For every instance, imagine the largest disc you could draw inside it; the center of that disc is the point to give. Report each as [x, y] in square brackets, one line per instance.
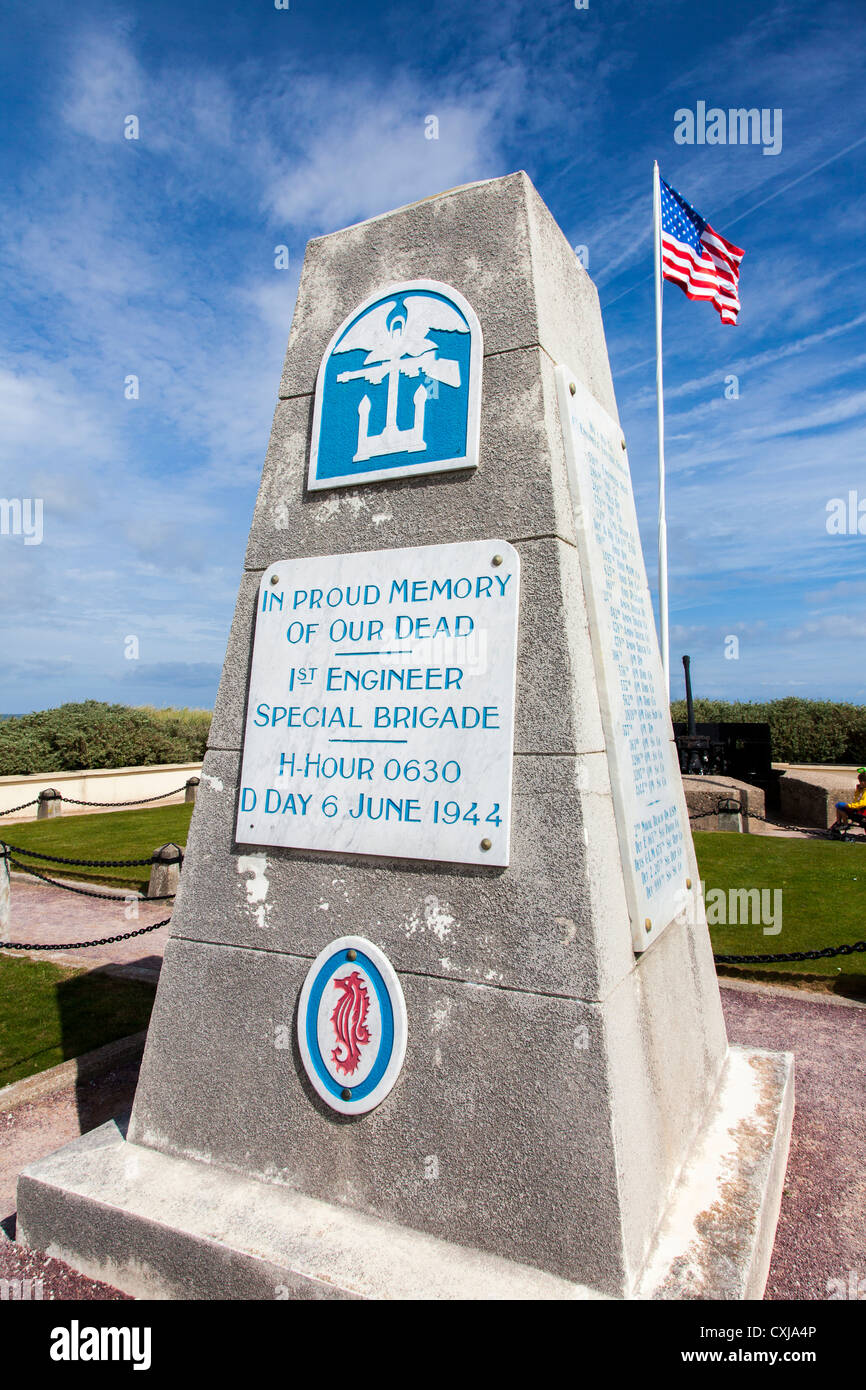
[93, 734]
[802, 731]
[75, 737]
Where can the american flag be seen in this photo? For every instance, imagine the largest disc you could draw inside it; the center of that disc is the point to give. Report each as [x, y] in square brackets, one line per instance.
[696, 257]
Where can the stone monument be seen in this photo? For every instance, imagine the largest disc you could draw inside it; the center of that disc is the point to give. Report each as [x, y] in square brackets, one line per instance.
[438, 1016]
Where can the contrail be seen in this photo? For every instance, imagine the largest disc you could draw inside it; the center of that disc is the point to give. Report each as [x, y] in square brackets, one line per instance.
[799, 179]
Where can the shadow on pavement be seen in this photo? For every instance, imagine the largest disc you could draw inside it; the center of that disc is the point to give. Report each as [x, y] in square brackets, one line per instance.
[101, 1010]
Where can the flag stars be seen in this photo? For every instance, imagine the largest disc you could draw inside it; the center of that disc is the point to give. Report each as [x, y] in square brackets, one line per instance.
[696, 257]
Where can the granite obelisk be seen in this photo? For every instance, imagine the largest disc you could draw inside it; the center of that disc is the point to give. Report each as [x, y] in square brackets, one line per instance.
[568, 1119]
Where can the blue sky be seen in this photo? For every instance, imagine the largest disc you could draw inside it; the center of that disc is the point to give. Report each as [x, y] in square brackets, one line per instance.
[261, 127]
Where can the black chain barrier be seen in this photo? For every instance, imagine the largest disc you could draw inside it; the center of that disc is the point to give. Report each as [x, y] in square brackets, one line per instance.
[142, 800]
[77, 945]
[825, 954]
[729, 805]
[724, 803]
[6, 853]
[76, 801]
[7, 850]
[22, 807]
[90, 863]
[84, 892]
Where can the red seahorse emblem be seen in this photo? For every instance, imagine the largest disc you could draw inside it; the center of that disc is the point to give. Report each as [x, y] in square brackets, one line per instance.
[350, 1019]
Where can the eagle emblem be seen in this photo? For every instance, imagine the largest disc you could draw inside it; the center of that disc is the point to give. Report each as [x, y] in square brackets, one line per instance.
[399, 388]
[396, 344]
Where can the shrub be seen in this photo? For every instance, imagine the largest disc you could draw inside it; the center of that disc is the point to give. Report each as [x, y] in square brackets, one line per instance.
[92, 734]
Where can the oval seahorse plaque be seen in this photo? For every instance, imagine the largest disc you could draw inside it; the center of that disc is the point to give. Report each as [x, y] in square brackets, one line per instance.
[352, 1025]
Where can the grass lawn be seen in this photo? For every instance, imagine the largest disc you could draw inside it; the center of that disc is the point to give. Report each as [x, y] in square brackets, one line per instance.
[49, 1013]
[110, 835]
[822, 885]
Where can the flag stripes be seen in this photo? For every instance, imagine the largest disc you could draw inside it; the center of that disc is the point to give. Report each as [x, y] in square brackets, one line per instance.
[696, 257]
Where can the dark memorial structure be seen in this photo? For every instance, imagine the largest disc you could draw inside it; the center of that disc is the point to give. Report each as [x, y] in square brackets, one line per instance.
[734, 748]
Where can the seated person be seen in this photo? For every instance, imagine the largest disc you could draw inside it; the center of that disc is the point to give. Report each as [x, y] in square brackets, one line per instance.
[858, 803]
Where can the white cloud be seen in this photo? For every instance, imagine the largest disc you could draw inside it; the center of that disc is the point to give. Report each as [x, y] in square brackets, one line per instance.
[156, 257]
[364, 149]
[106, 85]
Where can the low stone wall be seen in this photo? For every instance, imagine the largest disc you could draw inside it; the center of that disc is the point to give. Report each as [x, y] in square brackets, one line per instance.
[704, 793]
[109, 784]
[808, 797]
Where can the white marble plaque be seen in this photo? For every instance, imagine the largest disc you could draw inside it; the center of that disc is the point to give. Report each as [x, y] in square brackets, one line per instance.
[380, 717]
[644, 771]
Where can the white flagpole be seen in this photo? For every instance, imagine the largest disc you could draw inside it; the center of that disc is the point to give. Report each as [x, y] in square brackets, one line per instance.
[663, 529]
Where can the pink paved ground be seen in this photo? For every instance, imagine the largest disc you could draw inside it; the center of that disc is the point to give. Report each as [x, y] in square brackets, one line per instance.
[52, 916]
[31, 1131]
[820, 1237]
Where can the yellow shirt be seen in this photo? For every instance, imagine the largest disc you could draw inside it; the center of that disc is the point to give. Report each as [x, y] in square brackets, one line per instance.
[859, 798]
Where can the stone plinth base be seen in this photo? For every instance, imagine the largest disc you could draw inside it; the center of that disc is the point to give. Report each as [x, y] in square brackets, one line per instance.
[716, 1237]
[703, 795]
[808, 796]
[162, 1227]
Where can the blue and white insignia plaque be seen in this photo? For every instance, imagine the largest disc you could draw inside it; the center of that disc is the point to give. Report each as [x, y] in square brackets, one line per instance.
[399, 389]
[352, 1025]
